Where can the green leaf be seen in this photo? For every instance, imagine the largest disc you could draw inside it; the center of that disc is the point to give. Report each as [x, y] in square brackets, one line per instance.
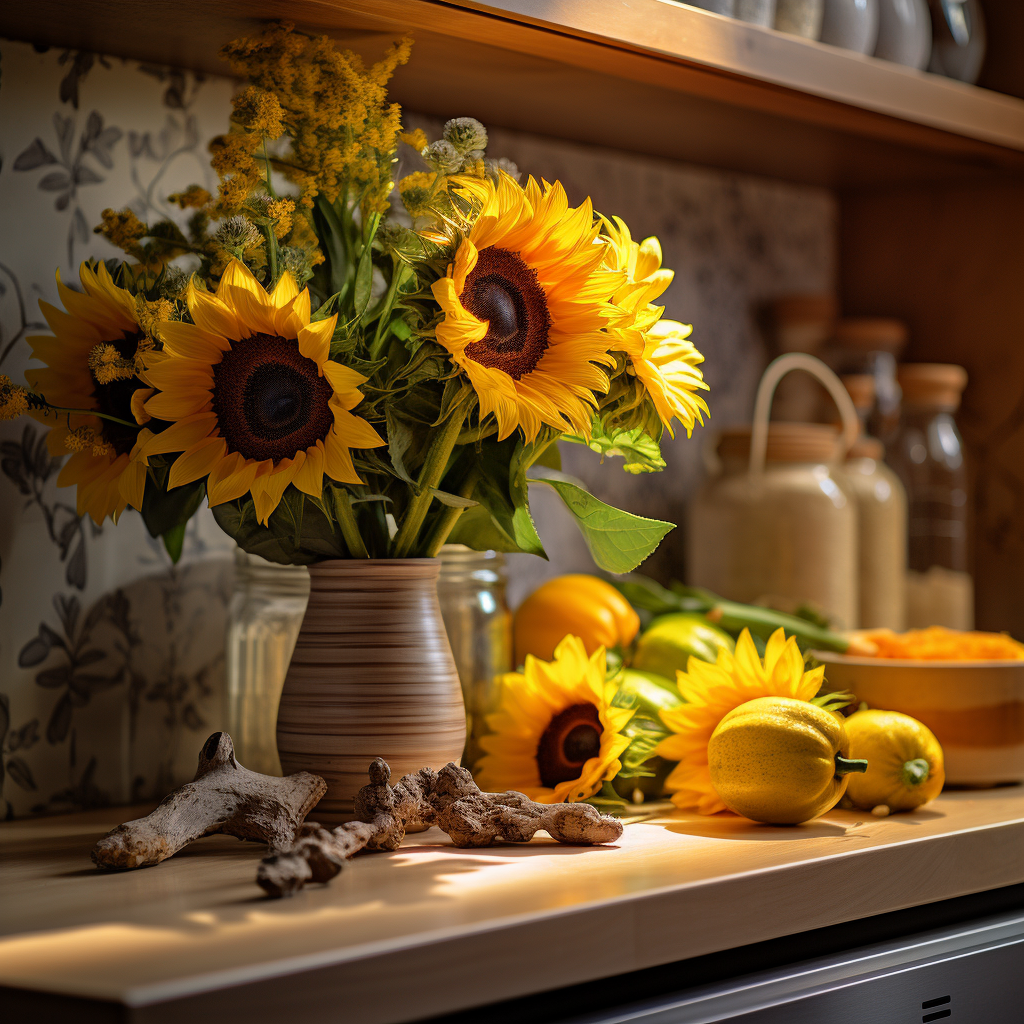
[640, 451]
[174, 541]
[550, 458]
[325, 310]
[164, 510]
[618, 541]
[453, 500]
[607, 801]
[400, 441]
[298, 532]
[502, 494]
[364, 281]
[330, 234]
[477, 529]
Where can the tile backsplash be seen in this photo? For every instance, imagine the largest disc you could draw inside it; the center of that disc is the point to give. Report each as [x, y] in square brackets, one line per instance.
[112, 660]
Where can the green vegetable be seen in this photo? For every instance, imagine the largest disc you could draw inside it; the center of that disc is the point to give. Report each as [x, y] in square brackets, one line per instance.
[651, 597]
[648, 693]
[667, 645]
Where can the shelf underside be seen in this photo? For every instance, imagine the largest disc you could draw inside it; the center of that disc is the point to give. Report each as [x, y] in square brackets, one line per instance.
[666, 81]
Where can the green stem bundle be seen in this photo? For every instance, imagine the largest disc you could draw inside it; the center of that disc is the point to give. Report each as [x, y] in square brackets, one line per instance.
[431, 472]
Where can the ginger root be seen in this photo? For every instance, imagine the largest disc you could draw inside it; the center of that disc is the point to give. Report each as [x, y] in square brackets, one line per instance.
[449, 799]
[223, 797]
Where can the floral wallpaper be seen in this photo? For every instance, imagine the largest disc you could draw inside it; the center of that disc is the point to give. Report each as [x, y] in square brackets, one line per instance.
[111, 660]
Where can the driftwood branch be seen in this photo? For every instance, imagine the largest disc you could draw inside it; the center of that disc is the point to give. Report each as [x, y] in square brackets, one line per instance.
[449, 799]
[223, 797]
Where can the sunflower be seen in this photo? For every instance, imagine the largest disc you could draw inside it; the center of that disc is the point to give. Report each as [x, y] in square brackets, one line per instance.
[254, 401]
[556, 736]
[660, 351]
[711, 692]
[90, 365]
[525, 305]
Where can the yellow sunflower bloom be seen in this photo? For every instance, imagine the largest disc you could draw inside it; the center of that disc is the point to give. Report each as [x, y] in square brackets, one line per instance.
[660, 351]
[255, 403]
[711, 692]
[526, 303]
[556, 737]
[90, 365]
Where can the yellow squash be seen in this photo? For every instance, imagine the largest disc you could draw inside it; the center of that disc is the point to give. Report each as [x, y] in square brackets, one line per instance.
[780, 760]
[905, 766]
[584, 606]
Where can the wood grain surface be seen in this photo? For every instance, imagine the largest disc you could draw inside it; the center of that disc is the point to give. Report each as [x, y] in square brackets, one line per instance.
[372, 676]
[382, 943]
[649, 76]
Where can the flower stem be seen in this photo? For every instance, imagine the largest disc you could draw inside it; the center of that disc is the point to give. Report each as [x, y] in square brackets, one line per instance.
[348, 524]
[384, 320]
[86, 412]
[450, 516]
[268, 229]
[430, 476]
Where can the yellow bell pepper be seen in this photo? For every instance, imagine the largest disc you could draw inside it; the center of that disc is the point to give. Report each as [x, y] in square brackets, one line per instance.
[780, 760]
[581, 605]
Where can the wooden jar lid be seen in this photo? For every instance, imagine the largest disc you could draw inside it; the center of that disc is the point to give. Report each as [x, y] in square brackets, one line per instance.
[937, 385]
[787, 442]
[871, 334]
[861, 388]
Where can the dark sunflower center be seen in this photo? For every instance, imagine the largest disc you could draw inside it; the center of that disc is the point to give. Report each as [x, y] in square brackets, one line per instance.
[505, 292]
[115, 399]
[270, 400]
[571, 739]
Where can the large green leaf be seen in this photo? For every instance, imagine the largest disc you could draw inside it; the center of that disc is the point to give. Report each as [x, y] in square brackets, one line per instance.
[298, 532]
[618, 541]
[502, 521]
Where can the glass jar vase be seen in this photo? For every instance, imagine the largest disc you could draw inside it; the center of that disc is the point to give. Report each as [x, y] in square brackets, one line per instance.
[471, 592]
[264, 617]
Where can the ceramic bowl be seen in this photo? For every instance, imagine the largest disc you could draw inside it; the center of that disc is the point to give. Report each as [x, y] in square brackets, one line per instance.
[975, 708]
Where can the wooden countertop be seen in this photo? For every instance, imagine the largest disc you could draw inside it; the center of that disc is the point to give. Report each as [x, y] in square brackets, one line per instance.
[431, 929]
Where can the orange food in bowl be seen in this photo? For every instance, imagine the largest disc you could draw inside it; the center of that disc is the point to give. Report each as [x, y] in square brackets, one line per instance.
[936, 643]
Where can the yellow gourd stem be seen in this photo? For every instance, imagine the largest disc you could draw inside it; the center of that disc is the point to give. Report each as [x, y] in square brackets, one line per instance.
[915, 772]
[845, 765]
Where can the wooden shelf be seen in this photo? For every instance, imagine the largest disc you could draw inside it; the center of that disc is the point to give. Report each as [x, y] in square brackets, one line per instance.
[193, 935]
[650, 76]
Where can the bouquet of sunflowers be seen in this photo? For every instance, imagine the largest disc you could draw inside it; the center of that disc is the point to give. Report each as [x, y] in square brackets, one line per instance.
[339, 378]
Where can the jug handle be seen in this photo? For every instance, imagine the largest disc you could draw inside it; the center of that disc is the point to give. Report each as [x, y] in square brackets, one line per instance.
[777, 369]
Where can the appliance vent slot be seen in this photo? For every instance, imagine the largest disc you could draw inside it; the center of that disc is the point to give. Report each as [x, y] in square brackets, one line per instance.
[935, 1002]
[938, 1015]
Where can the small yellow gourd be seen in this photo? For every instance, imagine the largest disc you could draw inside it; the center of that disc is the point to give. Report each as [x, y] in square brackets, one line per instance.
[780, 760]
[905, 764]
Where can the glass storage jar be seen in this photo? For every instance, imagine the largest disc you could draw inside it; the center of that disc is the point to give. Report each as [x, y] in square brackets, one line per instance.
[928, 456]
[264, 617]
[774, 524]
[471, 592]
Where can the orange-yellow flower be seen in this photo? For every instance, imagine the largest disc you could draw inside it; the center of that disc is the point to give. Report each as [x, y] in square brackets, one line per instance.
[254, 400]
[526, 303]
[556, 736]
